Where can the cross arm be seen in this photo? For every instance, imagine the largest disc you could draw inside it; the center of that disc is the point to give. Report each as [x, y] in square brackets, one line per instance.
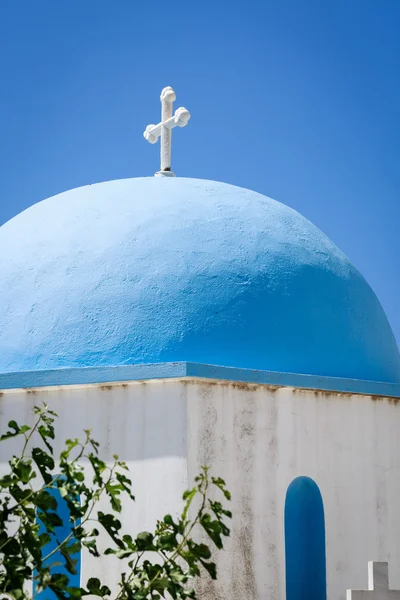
[179, 119]
[378, 585]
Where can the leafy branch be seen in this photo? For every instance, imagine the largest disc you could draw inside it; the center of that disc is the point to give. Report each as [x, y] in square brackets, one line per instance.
[157, 565]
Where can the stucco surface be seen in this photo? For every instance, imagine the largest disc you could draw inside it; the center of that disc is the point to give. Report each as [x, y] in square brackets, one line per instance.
[154, 270]
[258, 438]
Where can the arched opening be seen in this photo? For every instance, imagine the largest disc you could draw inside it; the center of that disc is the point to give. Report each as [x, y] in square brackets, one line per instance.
[305, 541]
[56, 560]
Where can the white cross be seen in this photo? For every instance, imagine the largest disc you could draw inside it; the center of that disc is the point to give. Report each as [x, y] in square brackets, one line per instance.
[164, 129]
[378, 585]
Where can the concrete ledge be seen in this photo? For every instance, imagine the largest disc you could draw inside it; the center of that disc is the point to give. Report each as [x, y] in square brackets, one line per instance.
[93, 375]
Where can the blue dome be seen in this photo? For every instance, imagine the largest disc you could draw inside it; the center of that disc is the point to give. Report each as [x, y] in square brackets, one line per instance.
[161, 269]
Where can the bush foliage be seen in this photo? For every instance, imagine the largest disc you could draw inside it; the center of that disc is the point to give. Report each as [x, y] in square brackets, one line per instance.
[158, 564]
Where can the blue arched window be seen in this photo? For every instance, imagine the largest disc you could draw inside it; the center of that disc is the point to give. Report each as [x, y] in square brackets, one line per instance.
[305, 541]
[56, 561]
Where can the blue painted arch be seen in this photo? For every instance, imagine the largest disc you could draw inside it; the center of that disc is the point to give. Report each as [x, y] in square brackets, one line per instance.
[305, 541]
[56, 562]
[154, 270]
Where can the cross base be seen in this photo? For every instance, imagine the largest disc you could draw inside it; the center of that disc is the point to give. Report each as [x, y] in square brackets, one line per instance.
[164, 174]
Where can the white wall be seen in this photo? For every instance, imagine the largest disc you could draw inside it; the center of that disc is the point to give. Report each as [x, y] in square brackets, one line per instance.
[145, 424]
[258, 438]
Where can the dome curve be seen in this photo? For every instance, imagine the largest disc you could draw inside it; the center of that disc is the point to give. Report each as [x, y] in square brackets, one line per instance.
[154, 270]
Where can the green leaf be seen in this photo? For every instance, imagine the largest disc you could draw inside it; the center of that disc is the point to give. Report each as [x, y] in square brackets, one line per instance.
[70, 445]
[19, 494]
[47, 433]
[93, 443]
[188, 497]
[74, 547]
[94, 587]
[159, 583]
[167, 542]
[168, 520]
[127, 539]
[99, 466]
[7, 480]
[201, 550]
[18, 594]
[59, 580]
[70, 563]
[92, 547]
[113, 492]
[220, 483]
[44, 462]
[125, 482]
[213, 529]
[122, 553]
[210, 567]
[112, 526]
[50, 520]
[74, 592]
[178, 576]
[44, 539]
[144, 541]
[11, 547]
[22, 469]
[58, 584]
[16, 430]
[44, 500]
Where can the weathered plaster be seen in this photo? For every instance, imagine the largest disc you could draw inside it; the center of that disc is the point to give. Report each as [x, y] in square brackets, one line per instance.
[241, 378]
[259, 438]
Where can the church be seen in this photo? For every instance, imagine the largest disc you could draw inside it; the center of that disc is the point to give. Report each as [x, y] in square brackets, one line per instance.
[190, 322]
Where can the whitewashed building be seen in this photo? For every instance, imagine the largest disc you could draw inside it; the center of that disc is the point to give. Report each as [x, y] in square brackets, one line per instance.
[192, 322]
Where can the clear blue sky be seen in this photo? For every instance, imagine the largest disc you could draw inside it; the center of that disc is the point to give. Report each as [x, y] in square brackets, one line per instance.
[299, 100]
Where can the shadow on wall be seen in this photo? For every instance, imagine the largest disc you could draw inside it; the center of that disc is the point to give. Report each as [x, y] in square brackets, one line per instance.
[305, 541]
